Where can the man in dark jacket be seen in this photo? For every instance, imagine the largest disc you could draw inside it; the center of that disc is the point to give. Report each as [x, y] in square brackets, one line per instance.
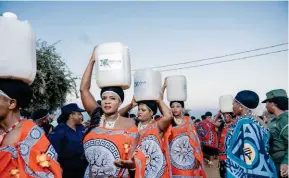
[67, 141]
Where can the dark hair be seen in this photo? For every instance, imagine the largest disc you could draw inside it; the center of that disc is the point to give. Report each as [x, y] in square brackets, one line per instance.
[150, 104]
[173, 123]
[203, 117]
[17, 90]
[116, 90]
[281, 102]
[40, 113]
[94, 120]
[187, 114]
[208, 114]
[157, 116]
[126, 115]
[25, 113]
[180, 102]
[132, 116]
[193, 117]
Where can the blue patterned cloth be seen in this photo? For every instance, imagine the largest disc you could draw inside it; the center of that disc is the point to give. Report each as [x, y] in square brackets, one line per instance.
[247, 145]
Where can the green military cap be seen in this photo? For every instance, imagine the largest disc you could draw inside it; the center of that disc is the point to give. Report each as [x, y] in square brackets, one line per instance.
[275, 94]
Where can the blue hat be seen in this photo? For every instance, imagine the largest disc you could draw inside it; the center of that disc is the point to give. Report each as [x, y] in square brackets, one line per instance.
[68, 109]
[248, 98]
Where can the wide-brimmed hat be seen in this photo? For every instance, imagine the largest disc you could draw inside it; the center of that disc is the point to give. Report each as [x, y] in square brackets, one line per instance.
[275, 94]
[68, 109]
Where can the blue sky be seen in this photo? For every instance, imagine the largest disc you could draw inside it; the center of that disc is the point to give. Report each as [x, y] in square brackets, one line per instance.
[160, 33]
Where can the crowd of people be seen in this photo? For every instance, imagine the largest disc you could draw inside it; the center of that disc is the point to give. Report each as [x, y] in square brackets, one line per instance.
[115, 144]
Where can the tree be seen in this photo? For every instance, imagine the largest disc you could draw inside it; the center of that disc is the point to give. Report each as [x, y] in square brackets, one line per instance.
[53, 79]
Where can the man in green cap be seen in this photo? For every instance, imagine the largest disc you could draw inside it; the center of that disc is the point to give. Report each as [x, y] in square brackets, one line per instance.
[277, 104]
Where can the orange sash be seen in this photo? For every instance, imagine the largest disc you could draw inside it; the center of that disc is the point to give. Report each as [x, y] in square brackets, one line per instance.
[103, 146]
[207, 134]
[185, 151]
[156, 151]
[31, 156]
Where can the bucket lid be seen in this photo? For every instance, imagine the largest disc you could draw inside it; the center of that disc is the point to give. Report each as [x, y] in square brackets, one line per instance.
[10, 15]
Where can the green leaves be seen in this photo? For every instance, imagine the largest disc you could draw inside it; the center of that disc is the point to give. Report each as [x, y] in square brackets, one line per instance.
[53, 79]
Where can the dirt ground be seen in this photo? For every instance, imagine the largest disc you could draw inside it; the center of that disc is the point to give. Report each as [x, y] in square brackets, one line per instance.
[212, 172]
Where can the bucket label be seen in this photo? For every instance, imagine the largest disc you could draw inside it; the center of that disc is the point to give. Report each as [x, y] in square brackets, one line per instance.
[110, 62]
[138, 84]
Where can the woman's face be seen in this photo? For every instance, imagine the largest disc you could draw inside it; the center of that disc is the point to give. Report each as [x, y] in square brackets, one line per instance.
[177, 109]
[227, 117]
[144, 113]
[110, 103]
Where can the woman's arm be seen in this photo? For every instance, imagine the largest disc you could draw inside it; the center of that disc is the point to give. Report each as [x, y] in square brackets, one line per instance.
[162, 93]
[127, 108]
[165, 121]
[87, 99]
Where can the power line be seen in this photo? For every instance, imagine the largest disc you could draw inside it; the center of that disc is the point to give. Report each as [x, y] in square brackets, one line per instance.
[218, 62]
[230, 60]
[217, 57]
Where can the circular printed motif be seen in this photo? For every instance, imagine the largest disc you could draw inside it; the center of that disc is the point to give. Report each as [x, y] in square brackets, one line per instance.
[35, 133]
[181, 152]
[24, 149]
[202, 131]
[250, 153]
[155, 160]
[101, 154]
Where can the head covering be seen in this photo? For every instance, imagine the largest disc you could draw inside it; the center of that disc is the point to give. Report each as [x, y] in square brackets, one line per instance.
[15, 89]
[278, 93]
[180, 102]
[39, 114]
[248, 99]
[132, 116]
[67, 110]
[187, 114]
[152, 105]
[117, 90]
[157, 116]
[208, 114]
[203, 117]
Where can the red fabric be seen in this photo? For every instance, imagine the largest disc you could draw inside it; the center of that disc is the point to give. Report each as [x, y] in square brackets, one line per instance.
[207, 134]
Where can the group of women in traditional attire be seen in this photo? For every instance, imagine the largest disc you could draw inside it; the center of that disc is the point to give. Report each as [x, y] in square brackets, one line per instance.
[121, 147]
[116, 146]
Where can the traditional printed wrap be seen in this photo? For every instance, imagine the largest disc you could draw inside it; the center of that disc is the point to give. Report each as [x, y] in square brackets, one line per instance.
[31, 156]
[104, 146]
[185, 151]
[247, 150]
